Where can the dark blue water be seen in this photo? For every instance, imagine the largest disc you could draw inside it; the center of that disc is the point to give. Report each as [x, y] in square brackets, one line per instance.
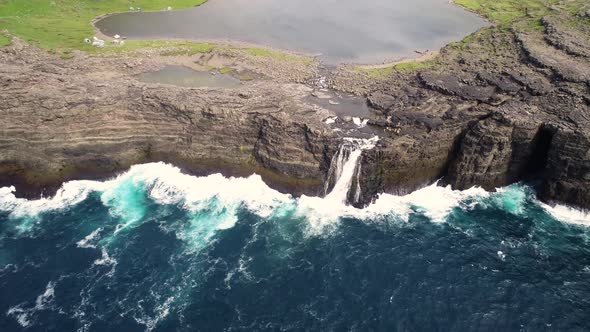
[157, 250]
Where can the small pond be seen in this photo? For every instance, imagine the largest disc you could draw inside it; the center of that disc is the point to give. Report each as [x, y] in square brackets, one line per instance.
[187, 77]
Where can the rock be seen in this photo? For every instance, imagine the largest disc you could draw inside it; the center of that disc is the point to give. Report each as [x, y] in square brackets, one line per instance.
[503, 82]
[87, 126]
[508, 118]
[565, 66]
[498, 150]
[380, 101]
[571, 41]
[321, 94]
[500, 112]
[245, 94]
[450, 85]
[535, 84]
[568, 167]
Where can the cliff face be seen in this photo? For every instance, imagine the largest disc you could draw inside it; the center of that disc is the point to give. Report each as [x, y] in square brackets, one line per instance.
[63, 119]
[514, 106]
[473, 119]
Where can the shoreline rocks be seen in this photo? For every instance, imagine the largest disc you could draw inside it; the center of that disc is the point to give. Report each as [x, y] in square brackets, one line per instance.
[512, 106]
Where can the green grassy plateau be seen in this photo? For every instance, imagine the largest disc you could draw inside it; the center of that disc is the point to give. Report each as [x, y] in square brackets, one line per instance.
[62, 25]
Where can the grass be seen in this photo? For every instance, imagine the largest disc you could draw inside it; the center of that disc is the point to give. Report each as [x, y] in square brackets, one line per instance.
[62, 25]
[167, 47]
[225, 70]
[386, 71]
[377, 72]
[412, 66]
[4, 41]
[505, 13]
[276, 55]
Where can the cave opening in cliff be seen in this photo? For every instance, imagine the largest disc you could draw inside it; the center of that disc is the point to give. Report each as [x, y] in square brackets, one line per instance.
[540, 152]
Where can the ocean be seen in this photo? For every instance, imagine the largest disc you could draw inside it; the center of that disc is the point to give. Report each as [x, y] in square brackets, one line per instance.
[155, 249]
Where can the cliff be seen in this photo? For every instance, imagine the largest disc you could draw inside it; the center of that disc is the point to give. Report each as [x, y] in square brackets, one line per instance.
[512, 106]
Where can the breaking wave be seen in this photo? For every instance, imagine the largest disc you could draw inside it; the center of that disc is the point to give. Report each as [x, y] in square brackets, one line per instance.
[154, 246]
[221, 197]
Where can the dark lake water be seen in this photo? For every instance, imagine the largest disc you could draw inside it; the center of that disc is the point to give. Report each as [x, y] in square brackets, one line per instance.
[336, 30]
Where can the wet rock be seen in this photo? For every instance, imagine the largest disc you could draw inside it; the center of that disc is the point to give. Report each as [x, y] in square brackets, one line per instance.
[490, 120]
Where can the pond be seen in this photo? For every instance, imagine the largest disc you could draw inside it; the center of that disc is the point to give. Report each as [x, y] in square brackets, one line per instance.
[336, 31]
[187, 77]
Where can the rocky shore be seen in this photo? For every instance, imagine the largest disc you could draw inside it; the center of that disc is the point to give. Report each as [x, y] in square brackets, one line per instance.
[89, 117]
[512, 105]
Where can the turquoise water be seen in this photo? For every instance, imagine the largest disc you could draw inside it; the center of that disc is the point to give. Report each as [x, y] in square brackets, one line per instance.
[158, 250]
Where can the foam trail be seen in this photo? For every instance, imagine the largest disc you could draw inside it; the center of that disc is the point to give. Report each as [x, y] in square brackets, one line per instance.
[223, 197]
[434, 201]
[568, 214]
[24, 316]
[87, 241]
[71, 193]
[165, 184]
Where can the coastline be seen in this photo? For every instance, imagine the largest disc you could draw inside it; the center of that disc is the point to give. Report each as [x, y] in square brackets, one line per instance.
[429, 119]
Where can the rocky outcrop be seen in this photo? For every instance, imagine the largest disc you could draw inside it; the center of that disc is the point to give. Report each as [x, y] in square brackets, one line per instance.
[512, 106]
[61, 121]
[500, 149]
[564, 66]
[571, 41]
[452, 85]
[568, 167]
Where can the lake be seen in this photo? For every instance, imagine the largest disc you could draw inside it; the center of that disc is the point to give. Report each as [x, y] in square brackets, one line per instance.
[336, 31]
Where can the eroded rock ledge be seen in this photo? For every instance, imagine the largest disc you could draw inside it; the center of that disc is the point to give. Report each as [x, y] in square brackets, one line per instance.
[512, 106]
[65, 119]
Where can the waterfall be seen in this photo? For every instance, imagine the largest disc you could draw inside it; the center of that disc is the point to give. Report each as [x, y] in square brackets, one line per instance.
[345, 167]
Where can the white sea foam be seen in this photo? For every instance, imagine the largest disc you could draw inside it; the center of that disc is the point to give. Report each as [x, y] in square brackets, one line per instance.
[105, 259]
[44, 299]
[568, 214]
[434, 201]
[221, 196]
[87, 242]
[69, 194]
[21, 315]
[160, 312]
[24, 316]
